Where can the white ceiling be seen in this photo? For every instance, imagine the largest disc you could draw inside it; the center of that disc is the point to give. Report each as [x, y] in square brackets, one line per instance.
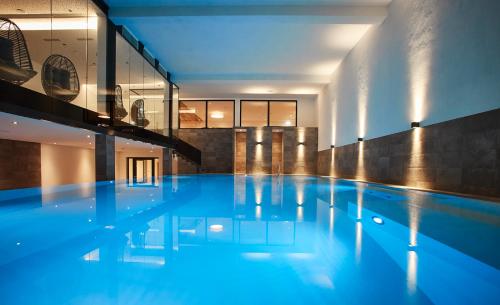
[13, 127]
[219, 48]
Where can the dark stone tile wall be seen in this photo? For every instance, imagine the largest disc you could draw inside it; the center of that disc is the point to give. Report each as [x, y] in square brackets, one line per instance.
[300, 159]
[216, 147]
[184, 166]
[20, 164]
[461, 155]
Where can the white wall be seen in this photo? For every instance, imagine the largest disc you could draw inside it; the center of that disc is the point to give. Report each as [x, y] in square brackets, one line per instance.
[430, 61]
[66, 165]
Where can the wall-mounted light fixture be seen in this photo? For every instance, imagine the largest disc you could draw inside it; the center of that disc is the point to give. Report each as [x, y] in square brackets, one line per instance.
[415, 124]
[360, 139]
[332, 146]
[258, 143]
[301, 143]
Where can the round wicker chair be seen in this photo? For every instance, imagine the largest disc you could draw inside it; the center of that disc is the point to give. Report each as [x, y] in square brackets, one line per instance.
[59, 78]
[137, 113]
[15, 62]
[120, 111]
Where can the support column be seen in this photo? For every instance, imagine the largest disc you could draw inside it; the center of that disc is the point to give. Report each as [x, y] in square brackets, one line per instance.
[167, 161]
[104, 157]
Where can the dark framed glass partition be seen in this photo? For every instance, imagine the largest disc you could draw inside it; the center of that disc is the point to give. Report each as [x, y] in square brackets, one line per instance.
[56, 48]
[206, 114]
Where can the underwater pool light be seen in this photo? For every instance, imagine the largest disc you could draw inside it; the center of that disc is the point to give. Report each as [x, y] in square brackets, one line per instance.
[378, 220]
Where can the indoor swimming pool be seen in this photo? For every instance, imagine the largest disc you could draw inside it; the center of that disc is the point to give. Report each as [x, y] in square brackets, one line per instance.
[234, 239]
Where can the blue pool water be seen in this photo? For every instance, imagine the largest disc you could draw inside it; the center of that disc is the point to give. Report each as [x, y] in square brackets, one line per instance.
[223, 239]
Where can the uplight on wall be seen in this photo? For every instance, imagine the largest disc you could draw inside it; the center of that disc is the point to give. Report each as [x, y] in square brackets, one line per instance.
[301, 143]
[360, 139]
[258, 143]
[415, 124]
[332, 146]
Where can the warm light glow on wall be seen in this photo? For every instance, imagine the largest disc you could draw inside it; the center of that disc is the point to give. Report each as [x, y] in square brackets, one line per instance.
[420, 55]
[360, 170]
[259, 135]
[301, 138]
[56, 24]
[332, 163]
[416, 167]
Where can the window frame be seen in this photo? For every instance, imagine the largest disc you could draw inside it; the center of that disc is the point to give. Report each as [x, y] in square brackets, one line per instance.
[206, 113]
[269, 112]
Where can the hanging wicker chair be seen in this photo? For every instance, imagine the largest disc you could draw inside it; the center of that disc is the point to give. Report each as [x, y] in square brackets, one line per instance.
[59, 78]
[137, 113]
[15, 62]
[120, 111]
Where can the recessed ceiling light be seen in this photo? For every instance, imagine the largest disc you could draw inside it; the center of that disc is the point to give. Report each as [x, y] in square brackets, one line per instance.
[14, 123]
[54, 143]
[90, 143]
[128, 143]
[88, 136]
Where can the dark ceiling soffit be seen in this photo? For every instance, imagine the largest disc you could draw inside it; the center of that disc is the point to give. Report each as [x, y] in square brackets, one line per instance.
[24, 102]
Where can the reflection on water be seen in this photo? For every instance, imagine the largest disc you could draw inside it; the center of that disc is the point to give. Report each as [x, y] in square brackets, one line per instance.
[220, 239]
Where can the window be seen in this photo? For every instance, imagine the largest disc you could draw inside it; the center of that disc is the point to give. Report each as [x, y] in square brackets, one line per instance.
[254, 113]
[192, 114]
[141, 91]
[220, 114]
[268, 113]
[52, 47]
[283, 113]
[206, 114]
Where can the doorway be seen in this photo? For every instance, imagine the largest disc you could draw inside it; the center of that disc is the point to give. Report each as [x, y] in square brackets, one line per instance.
[142, 171]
